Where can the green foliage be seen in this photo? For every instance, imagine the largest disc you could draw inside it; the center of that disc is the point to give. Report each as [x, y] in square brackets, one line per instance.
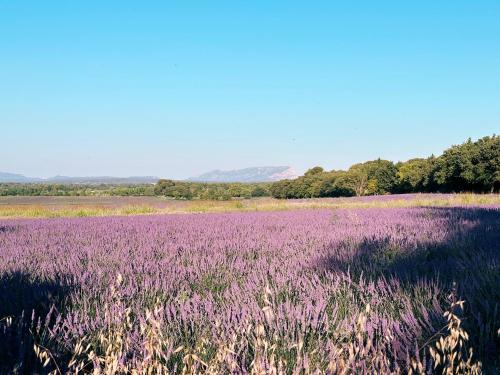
[312, 184]
[471, 166]
[72, 190]
[167, 188]
[259, 191]
[415, 175]
[374, 177]
[314, 171]
[210, 191]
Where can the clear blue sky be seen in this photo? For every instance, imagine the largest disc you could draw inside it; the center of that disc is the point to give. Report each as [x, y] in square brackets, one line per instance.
[176, 88]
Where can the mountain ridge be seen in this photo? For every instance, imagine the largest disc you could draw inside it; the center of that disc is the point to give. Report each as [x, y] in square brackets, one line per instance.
[251, 174]
[6, 177]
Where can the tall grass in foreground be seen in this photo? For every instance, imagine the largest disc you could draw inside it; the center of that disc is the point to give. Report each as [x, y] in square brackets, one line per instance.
[446, 353]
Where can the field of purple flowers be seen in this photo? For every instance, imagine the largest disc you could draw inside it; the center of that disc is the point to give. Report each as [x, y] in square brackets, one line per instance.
[286, 290]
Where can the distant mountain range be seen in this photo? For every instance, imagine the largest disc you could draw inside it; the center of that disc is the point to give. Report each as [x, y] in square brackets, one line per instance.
[19, 178]
[13, 177]
[254, 174]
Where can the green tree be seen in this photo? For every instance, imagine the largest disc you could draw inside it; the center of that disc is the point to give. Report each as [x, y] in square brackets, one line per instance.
[415, 175]
[374, 177]
[471, 166]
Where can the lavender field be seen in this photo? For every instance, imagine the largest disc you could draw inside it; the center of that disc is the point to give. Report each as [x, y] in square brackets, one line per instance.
[304, 291]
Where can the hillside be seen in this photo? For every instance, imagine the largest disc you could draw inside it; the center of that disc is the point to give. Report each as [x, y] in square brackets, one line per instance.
[92, 180]
[253, 174]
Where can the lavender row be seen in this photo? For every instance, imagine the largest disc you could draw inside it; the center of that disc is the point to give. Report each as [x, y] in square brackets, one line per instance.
[213, 275]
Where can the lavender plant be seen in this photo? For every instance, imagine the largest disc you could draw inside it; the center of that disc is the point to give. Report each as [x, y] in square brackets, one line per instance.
[263, 292]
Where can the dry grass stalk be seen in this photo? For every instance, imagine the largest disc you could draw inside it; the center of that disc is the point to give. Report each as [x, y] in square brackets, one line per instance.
[449, 353]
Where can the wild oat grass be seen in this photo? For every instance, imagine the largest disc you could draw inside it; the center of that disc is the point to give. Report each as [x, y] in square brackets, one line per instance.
[448, 352]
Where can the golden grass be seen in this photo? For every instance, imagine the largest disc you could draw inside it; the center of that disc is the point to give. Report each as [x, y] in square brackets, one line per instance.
[41, 210]
[450, 352]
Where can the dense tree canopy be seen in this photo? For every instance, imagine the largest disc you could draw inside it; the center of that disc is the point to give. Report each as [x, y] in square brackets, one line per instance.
[46, 189]
[471, 166]
[415, 175]
[214, 191]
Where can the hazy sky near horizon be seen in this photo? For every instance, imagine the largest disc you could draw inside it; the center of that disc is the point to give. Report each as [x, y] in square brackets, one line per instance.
[177, 88]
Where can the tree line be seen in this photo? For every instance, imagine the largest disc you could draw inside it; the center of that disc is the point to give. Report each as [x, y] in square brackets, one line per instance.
[74, 190]
[210, 190]
[166, 188]
[471, 166]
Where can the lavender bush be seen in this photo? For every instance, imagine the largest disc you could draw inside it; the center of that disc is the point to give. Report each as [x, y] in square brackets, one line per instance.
[229, 288]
